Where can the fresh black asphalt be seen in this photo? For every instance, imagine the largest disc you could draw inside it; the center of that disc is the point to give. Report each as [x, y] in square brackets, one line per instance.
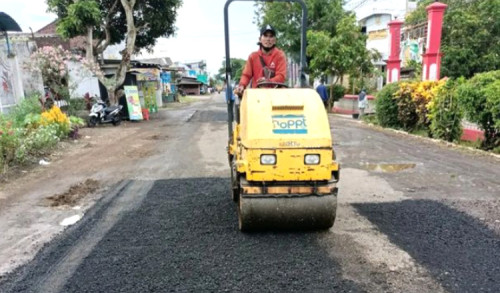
[184, 238]
[458, 250]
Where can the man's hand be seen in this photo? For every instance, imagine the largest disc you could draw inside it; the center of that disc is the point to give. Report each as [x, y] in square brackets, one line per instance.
[239, 90]
[262, 79]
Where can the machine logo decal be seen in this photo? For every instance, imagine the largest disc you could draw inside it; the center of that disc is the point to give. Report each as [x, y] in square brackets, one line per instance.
[289, 144]
[289, 124]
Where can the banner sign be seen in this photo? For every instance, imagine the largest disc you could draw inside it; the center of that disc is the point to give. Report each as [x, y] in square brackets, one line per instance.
[202, 78]
[166, 77]
[133, 102]
[147, 74]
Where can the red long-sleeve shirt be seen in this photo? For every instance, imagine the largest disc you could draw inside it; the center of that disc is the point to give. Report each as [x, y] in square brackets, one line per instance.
[254, 70]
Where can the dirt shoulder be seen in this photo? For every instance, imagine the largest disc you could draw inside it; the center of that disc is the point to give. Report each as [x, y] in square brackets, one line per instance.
[38, 201]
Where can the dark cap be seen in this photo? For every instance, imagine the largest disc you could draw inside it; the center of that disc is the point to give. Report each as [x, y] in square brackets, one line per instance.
[267, 28]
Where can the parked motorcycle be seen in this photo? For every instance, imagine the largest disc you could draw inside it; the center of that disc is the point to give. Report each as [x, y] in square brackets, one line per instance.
[101, 113]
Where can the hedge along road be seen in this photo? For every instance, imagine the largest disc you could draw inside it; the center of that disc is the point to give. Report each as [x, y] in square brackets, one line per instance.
[414, 216]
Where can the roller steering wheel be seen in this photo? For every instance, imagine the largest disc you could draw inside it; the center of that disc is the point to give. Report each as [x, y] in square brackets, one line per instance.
[271, 84]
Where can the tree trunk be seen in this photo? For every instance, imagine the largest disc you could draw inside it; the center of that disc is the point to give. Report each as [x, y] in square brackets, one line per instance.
[330, 98]
[128, 6]
[89, 54]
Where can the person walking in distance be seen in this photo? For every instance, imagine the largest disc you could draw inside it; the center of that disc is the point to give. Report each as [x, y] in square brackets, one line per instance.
[362, 103]
[321, 89]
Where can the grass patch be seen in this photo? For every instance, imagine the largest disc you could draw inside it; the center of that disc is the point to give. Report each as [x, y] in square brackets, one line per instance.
[187, 99]
[370, 119]
[183, 100]
[420, 132]
[472, 144]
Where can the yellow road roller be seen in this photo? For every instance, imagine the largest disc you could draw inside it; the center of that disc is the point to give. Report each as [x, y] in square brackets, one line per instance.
[283, 167]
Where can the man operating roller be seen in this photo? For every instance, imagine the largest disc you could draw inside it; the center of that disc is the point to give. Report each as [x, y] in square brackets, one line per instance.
[268, 64]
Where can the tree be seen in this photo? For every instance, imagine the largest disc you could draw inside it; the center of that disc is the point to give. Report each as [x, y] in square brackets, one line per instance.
[480, 102]
[339, 54]
[107, 22]
[51, 62]
[335, 44]
[237, 66]
[471, 34]
[323, 15]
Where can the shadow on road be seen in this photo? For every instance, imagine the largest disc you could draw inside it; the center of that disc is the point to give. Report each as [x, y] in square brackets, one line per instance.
[458, 250]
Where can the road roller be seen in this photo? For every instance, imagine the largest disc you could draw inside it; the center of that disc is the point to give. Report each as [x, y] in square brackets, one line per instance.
[283, 166]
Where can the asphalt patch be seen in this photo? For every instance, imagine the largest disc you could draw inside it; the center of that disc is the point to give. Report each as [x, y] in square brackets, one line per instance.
[209, 116]
[459, 251]
[185, 238]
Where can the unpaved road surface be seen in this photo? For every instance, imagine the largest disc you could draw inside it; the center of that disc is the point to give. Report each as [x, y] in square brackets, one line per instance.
[413, 216]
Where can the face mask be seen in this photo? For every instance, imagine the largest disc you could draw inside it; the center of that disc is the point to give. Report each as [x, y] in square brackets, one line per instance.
[267, 49]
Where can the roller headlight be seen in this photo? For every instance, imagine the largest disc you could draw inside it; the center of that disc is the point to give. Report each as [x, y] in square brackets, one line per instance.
[268, 159]
[311, 159]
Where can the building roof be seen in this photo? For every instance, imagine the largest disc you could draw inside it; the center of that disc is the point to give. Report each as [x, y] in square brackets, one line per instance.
[49, 29]
[188, 81]
[162, 61]
[183, 82]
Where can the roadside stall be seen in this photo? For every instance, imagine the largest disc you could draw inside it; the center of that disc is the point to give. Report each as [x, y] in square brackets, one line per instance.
[149, 86]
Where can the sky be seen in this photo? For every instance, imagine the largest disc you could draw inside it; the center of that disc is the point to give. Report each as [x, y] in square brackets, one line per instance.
[199, 35]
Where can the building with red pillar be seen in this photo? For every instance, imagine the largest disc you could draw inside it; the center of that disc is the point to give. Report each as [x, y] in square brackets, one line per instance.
[431, 66]
[394, 62]
[373, 16]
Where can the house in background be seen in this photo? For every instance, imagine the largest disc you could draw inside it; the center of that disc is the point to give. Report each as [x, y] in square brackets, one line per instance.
[194, 71]
[16, 82]
[47, 36]
[189, 85]
[168, 76]
[373, 16]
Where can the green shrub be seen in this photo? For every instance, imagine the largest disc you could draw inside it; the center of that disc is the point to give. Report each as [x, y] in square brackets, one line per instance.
[76, 121]
[38, 141]
[57, 117]
[29, 105]
[75, 124]
[444, 113]
[9, 142]
[492, 93]
[31, 121]
[407, 108]
[386, 108]
[76, 105]
[338, 91]
[423, 93]
[479, 99]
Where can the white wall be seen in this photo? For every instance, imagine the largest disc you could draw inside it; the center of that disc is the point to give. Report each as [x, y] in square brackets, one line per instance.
[82, 81]
[15, 81]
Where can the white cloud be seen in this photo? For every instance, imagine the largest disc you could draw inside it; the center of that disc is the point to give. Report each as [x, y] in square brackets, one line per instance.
[28, 13]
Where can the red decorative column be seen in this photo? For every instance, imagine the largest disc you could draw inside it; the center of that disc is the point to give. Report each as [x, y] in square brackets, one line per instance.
[432, 57]
[394, 63]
